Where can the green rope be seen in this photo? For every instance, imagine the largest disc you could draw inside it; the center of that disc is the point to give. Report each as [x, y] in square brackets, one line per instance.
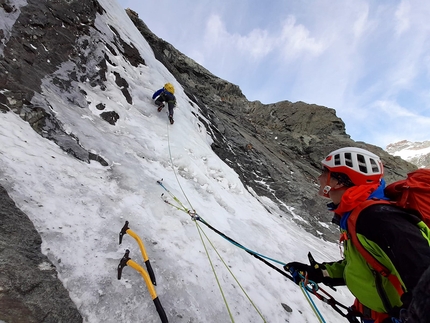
[231, 273]
[184, 209]
[222, 260]
[216, 276]
[200, 230]
[176, 207]
[311, 303]
[174, 172]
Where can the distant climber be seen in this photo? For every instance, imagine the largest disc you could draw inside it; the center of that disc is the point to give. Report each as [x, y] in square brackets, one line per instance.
[166, 94]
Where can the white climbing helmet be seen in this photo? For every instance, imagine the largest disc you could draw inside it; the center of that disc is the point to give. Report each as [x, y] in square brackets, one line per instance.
[361, 166]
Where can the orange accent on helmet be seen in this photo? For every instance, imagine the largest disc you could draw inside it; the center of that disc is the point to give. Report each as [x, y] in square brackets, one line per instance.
[361, 166]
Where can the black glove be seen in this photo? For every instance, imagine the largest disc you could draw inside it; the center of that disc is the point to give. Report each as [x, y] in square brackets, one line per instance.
[299, 270]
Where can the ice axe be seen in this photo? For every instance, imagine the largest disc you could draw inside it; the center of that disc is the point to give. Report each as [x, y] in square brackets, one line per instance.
[127, 261]
[126, 230]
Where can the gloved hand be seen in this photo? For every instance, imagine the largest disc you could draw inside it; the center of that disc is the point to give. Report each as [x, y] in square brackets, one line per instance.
[299, 270]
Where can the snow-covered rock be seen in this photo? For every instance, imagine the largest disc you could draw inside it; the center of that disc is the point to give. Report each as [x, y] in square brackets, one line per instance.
[417, 153]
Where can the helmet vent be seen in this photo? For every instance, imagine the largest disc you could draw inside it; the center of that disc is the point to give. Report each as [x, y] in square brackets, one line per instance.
[374, 164]
[348, 160]
[362, 164]
[337, 159]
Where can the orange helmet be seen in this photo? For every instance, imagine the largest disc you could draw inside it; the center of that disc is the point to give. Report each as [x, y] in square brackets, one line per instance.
[361, 166]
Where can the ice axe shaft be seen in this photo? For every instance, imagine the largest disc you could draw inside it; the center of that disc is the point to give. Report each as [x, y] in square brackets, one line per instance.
[126, 230]
[127, 261]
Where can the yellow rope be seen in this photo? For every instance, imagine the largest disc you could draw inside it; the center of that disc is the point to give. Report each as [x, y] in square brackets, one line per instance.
[318, 315]
[200, 230]
[204, 245]
[173, 167]
[231, 273]
[216, 276]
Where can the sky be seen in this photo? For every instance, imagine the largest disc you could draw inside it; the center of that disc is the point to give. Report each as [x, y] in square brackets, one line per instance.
[80, 208]
[368, 60]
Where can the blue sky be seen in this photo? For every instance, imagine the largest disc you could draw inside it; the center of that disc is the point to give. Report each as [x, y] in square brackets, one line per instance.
[369, 60]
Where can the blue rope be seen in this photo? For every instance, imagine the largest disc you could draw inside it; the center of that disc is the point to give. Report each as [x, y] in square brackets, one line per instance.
[238, 244]
[311, 302]
[199, 218]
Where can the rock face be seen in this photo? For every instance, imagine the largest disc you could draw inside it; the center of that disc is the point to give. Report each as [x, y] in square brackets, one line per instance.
[276, 149]
[45, 35]
[28, 280]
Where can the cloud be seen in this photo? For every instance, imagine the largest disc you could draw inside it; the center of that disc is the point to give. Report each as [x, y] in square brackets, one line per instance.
[417, 124]
[256, 44]
[295, 40]
[402, 16]
[215, 31]
[391, 122]
[393, 110]
[362, 24]
[292, 39]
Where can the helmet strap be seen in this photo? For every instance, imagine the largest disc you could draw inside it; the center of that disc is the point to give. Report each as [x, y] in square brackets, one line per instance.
[327, 186]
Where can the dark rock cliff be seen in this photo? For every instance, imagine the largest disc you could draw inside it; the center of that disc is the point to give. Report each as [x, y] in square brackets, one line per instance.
[29, 288]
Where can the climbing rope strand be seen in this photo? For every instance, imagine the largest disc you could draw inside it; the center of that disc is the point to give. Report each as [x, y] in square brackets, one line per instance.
[215, 274]
[174, 172]
[328, 299]
[263, 258]
[184, 209]
[311, 302]
[238, 244]
[200, 230]
[231, 273]
[199, 218]
[180, 206]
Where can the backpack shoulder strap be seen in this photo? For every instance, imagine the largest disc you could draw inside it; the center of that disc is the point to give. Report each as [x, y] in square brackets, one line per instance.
[352, 235]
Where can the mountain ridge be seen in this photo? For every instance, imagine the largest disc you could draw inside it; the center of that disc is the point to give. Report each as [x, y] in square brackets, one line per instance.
[417, 153]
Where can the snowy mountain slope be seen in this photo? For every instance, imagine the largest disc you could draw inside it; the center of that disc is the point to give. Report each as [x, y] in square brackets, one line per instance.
[79, 208]
[417, 153]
